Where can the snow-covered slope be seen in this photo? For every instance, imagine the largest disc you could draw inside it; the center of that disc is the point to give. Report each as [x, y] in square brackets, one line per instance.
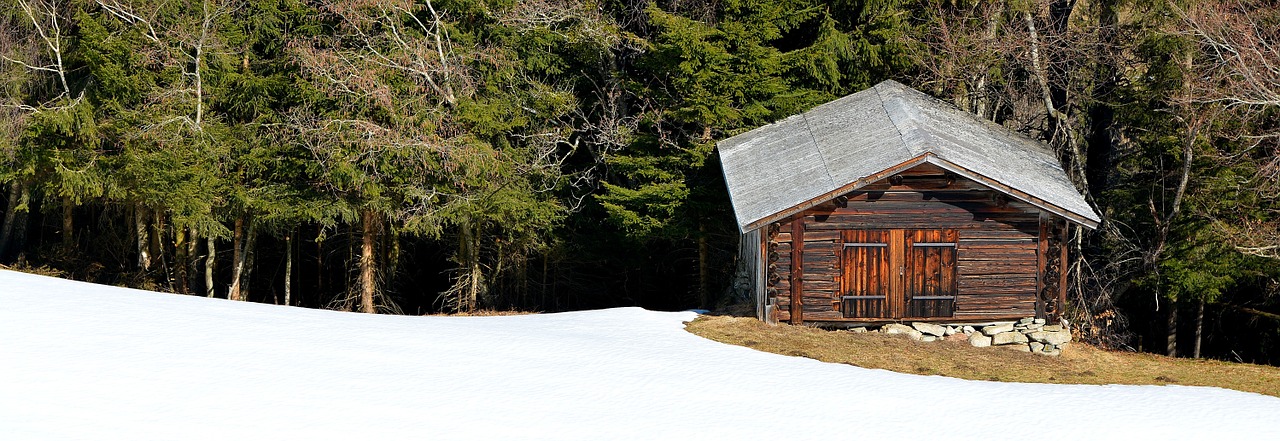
[82, 361]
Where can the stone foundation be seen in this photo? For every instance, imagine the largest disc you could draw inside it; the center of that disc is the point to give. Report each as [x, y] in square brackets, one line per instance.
[1027, 335]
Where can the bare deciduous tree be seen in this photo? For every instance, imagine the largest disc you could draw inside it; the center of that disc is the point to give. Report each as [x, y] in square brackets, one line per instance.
[1239, 44]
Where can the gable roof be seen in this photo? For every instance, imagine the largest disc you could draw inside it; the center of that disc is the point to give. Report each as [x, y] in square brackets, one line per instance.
[794, 164]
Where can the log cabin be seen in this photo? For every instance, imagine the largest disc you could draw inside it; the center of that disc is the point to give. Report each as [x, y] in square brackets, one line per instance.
[889, 205]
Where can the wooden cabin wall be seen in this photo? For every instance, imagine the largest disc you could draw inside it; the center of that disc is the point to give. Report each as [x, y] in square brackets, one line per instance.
[996, 261]
[750, 256]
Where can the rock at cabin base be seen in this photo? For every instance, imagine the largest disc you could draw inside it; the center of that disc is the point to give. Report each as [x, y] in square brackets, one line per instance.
[896, 328]
[1026, 321]
[1039, 321]
[1005, 338]
[1051, 338]
[978, 340]
[929, 338]
[968, 329]
[997, 329]
[1053, 328]
[1036, 346]
[930, 329]
[950, 330]
[858, 330]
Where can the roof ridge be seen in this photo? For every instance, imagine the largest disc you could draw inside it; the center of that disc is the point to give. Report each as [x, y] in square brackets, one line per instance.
[899, 125]
[826, 167]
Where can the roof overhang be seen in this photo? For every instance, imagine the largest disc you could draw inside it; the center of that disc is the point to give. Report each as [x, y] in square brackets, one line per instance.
[928, 158]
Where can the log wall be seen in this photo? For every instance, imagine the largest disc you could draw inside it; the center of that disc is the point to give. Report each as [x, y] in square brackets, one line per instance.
[996, 256]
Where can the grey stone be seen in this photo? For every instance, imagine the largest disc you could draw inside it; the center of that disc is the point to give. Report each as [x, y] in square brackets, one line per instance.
[968, 329]
[1036, 346]
[996, 329]
[1039, 321]
[1052, 338]
[1005, 338]
[929, 338]
[916, 335]
[930, 328]
[1026, 321]
[951, 330]
[978, 340]
[896, 328]
[858, 330]
[1053, 328]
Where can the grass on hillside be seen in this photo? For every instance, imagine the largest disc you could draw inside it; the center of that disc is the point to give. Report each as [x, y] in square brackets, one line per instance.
[1078, 364]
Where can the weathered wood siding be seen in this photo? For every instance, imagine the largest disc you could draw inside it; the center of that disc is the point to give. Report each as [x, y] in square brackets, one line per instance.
[995, 257]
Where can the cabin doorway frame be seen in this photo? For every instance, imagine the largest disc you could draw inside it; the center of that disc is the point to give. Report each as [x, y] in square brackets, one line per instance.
[898, 273]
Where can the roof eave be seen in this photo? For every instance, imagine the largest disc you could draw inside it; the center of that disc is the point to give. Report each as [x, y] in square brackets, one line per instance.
[813, 202]
[931, 158]
[1015, 193]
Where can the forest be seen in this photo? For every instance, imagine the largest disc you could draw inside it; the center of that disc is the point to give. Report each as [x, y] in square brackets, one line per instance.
[454, 156]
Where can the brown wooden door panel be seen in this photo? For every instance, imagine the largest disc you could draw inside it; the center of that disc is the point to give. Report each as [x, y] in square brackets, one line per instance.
[865, 279]
[930, 273]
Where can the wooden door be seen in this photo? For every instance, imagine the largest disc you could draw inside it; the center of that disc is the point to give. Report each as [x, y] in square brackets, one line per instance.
[930, 281]
[898, 273]
[867, 273]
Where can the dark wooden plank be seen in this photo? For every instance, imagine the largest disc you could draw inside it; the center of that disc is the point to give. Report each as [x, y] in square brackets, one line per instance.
[1063, 271]
[897, 241]
[1004, 254]
[981, 267]
[969, 235]
[1042, 248]
[919, 221]
[797, 280]
[828, 286]
[978, 285]
[810, 237]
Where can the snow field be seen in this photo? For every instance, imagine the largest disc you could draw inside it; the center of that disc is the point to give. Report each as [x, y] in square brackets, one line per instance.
[87, 362]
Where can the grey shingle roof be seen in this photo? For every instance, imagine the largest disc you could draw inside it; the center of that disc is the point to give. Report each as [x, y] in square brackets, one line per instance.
[806, 157]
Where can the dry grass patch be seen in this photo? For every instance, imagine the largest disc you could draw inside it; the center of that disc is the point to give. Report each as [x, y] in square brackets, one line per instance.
[1079, 363]
[486, 313]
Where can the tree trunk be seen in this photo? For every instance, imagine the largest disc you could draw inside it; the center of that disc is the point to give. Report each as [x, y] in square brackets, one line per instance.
[288, 268]
[237, 258]
[368, 265]
[210, 257]
[68, 230]
[180, 258]
[193, 247]
[250, 247]
[704, 269]
[1195, 352]
[143, 236]
[10, 216]
[1171, 347]
[159, 250]
[320, 259]
[469, 256]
